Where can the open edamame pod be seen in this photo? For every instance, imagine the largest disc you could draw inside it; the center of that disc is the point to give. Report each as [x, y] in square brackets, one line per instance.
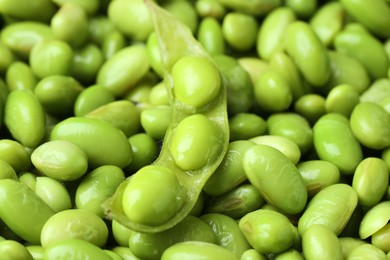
[194, 144]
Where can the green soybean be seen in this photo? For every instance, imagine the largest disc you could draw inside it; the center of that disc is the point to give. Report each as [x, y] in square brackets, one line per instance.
[87, 61]
[377, 92]
[10, 249]
[91, 98]
[156, 120]
[332, 207]
[154, 56]
[121, 114]
[328, 21]
[123, 252]
[51, 58]
[282, 63]
[215, 116]
[273, 92]
[197, 250]
[374, 219]
[370, 123]
[96, 187]
[374, 17]
[20, 76]
[303, 9]
[132, 18]
[318, 174]
[159, 95]
[184, 12]
[37, 252]
[90, 6]
[190, 88]
[240, 94]
[235, 203]
[211, 37]
[230, 173]
[99, 27]
[342, 99]
[270, 38]
[380, 239]
[146, 210]
[319, 242]
[365, 48]
[240, 30]
[22, 36]
[290, 254]
[311, 106]
[334, 141]
[41, 10]
[257, 7]
[70, 24]
[269, 170]
[292, 126]
[153, 245]
[74, 224]
[6, 171]
[145, 151]
[246, 125]
[74, 249]
[348, 244]
[60, 159]
[102, 142]
[17, 201]
[25, 117]
[252, 254]
[370, 181]
[367, 251]
[312, 60]
[347, 70]
[289, 148]
[53, 193]
[118, 75]
[58, 94]
[210, 8]
[120, 233]
[228, 232]
[261, 229]
[112, 43]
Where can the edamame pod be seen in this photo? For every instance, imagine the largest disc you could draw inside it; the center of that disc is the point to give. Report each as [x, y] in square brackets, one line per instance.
[335, 142]
[332, 206]
[25, 117]
[312, 59]
[103, 143]
[23, 211]
[270, 171]
[215, 115]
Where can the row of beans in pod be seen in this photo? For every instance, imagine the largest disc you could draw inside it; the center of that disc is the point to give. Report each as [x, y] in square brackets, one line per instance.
[197, 129]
